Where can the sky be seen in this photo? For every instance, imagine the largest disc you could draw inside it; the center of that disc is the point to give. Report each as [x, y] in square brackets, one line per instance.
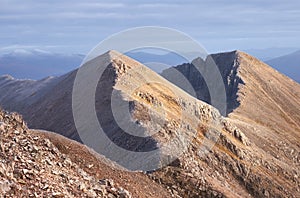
[218, 25]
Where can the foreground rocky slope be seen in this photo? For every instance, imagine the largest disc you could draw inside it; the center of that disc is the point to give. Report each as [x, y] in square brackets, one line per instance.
[219, 161]
[33, 166]
[42, 164]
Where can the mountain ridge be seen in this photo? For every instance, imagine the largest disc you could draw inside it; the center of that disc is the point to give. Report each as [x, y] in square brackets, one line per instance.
[238, 159]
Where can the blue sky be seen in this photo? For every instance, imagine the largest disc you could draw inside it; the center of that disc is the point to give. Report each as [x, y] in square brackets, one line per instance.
[219, 25]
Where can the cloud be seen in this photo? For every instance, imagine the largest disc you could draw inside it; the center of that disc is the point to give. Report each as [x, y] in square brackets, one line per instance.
[157, 5]
[30, 46]
[98, 5]
[68, 22]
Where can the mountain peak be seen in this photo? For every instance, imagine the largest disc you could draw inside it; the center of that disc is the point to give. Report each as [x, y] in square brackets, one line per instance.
[114, 60]
[108, 55]
[113, 53]
[231, 55]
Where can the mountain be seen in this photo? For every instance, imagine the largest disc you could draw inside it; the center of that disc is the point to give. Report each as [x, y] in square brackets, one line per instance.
[270, 53]
[288, 64]
[262, 101]
[37, 64]
[252, 152]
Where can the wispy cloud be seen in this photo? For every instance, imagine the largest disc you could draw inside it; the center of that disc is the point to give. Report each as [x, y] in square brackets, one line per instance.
[100, 5]
[30, 46]
[157, 5]
[85, 23]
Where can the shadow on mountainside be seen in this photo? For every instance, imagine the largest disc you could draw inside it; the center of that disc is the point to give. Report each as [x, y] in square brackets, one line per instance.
[107, 119]
[228, 67]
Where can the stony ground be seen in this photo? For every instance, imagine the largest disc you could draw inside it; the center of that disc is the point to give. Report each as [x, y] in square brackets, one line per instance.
[31, 166]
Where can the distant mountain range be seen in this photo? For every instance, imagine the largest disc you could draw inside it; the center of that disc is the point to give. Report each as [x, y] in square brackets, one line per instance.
[270, 53]
[288, 65]
[37, 64]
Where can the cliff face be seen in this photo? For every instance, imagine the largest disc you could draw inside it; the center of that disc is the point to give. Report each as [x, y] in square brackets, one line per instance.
[218, 153]
[227, 65]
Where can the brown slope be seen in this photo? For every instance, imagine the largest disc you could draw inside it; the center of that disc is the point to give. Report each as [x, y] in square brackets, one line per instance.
[256, 94]
[269, 113]
[268, 98]
[137, 183]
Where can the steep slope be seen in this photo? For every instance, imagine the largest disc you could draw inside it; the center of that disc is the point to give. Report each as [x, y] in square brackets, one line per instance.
[234, 162]
[227, 65]
[32, 166]
[288, 64]
[269, 107]
[137, 183]
[19, 94]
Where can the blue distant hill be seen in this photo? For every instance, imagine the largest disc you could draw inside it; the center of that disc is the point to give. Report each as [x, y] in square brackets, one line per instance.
[288, 65]
[37, 64]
